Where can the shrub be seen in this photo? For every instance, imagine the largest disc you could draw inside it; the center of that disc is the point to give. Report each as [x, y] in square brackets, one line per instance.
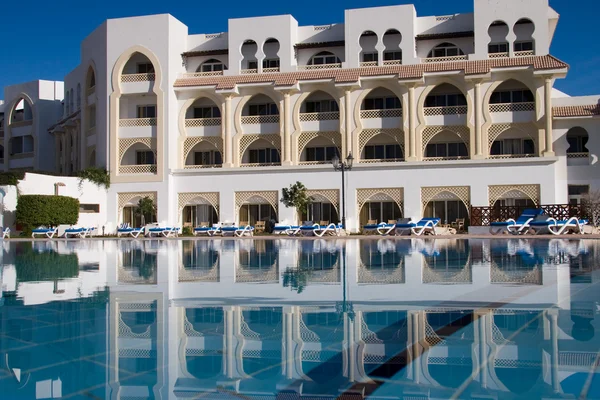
[187, 231]
[11, 178]
[37, 210]
[98, 176]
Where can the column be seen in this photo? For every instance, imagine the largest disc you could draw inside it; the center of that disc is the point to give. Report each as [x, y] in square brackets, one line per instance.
[227, 140]
[288, 314]
[552, 316]
[549, 149]
[229, 348]
[482, 322]
[412, 125]
[287, 130]
[416, 353]
[478, 120]
[348, 121]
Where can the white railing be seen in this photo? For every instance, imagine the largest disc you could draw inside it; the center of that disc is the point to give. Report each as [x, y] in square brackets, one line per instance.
[319, 66]
[444, 59]
[249, 71]
[202, 166]
[578, 358]
[447, 110]
[188, 75]
[16, 124]
[390, 113]
[138, 169]
[509, 156]
[195, 122]
[138, 77]
[368, 64]
[260, 119]
[130, 122]
[445, 158]
[498, 55]
[213, 35]
[445, 18]
[392, 62]
[512, 107]
[252, 165]
[525, 53]
[379, 160]
[322, 27]
[320, 116]
[314, 162]
[578, 155]
[270, 70]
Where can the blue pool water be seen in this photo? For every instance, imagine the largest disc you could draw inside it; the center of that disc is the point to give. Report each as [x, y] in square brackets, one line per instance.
[300, 319]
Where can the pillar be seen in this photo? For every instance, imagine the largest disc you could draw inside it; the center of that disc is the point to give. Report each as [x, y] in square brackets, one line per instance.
[229, 348]
[549, 148]
[478, 139]
[412, 125]
[286, 144]
[552, 316]
[227, 139]
[348, 122]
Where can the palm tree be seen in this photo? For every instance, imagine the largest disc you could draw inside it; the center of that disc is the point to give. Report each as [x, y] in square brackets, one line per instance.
[146, 209]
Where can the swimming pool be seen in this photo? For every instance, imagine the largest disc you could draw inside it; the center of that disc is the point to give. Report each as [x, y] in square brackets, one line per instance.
[300, 319]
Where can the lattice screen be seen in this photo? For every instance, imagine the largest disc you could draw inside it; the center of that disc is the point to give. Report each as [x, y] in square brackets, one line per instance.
[247, 139]
[528, 129]
[125, 144]
[463, 132]
[190, 142]
[463, 193]
[382, 194]
[210, 197]
[305, 137]
[125, 198]
[331, 195]
[500, 192]
[271, 197]
[365, 135]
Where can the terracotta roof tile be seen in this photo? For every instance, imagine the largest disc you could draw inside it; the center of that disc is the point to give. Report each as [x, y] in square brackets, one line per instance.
[415, 71]
[576, 111]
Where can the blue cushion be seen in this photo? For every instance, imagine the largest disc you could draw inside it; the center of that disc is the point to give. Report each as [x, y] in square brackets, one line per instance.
[74, 230]
[410, 225]
[43, 230]
[229, 228]
[308, 228]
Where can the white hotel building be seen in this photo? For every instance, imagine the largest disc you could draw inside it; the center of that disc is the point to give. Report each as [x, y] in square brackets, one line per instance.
[440, 113]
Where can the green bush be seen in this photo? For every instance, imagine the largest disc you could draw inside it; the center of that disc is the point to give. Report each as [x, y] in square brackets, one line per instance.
[187, 231]
[37, 210]
[11, 178]
[98, 176]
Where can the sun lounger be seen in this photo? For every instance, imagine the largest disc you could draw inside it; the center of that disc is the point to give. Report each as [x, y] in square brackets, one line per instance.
[556, 227]
[371, 227]
[125, 229]
[78, 232]
[331, 229]
[283, 229]
[42, 231]
[163, 231]
[242, 230]
[518, 226]
[207, 230]
[424, 226]
[5, 233]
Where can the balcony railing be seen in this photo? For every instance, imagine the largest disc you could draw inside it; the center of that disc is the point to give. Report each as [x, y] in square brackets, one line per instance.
[512, 107]
[392, 62]
[390, 113]
[138, 169]
[314, 162]
[202, 166]
[270, 70]
[16, 124]
[509, 156]
[368, 64]
[444, 59]
[578, 359]
[379, 160]
[130, 122]
[525, 53]
[498, 55]
[447, 110]
[249, 71]
[252, 165]
[260, 119]
[201, 74]
[320, 116]
[196, 122]
[578, 155]
[319, 66]
[453, 158]
[138, 77]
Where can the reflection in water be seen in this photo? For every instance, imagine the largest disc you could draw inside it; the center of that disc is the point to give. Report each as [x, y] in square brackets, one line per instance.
[388, 318]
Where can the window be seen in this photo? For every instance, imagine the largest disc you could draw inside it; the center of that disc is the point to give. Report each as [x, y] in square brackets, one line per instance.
[264, 156]
[321, 153]
[383, 152]
[512, 96]
[445, 100]
[212, 157]
[144, 157]
[263, 109]
[145, 68]
[324, 58]
[447, 211]
[22, 144]
[577, 193]
[390, 55]
[456, 149]
[370, 57]
[253, 64]
[146, 111]
[512, 147]
[321, 106]
[89, 208]
[207, 112]
[212, 66]
[381, 211]
[524, 46]
[494, 48]
[445, 50]
[381, 103]
[91, 117]
[272, 63]
[577, 144]
[321, 212]
[93, 80]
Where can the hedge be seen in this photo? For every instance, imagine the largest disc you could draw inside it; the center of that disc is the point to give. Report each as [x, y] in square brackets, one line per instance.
[37, 210]
[33, 266]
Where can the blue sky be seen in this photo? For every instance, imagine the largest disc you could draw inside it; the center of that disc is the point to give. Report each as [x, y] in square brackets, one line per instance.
[40, 38]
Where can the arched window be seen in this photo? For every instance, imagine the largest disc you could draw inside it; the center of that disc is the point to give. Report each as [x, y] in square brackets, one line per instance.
[324, 57]
[498, 45]
[212, 65]
[524, 44]
[445, 50]
[577, 138]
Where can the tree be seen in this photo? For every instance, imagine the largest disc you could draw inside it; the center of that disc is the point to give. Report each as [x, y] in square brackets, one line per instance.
[591, 206]
[296, 197]
[146, 209]
[296, 279]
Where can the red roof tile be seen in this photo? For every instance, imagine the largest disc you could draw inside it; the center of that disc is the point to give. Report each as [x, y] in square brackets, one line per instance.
[576, 111]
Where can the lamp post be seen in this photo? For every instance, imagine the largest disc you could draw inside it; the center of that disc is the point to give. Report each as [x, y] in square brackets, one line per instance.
[340, 165]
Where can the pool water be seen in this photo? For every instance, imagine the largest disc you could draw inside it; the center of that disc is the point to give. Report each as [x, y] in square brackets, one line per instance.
[300, 319]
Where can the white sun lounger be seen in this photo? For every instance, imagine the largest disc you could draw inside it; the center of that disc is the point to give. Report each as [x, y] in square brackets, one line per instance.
[556, 227]
[5, 233]
[321, 230]
[48, 232]
[78, 232]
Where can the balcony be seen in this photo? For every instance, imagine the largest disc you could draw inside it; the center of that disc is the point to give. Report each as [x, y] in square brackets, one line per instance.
[320, 121]
[512, 112]
[260, 123]
[578, 159]
[253, 165]
[367, 64]
[510, 156]
[137, 127]
[445, 158]
[270, 70]
[446, 115]
[525, 53]
[319, 66]
[383, 118]
[202, 166]
[249, 71]
[137, 83]
[498, 55]
[146, 169]
[444, 59]
[203, 126]
[191, 75]
[392, 62]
